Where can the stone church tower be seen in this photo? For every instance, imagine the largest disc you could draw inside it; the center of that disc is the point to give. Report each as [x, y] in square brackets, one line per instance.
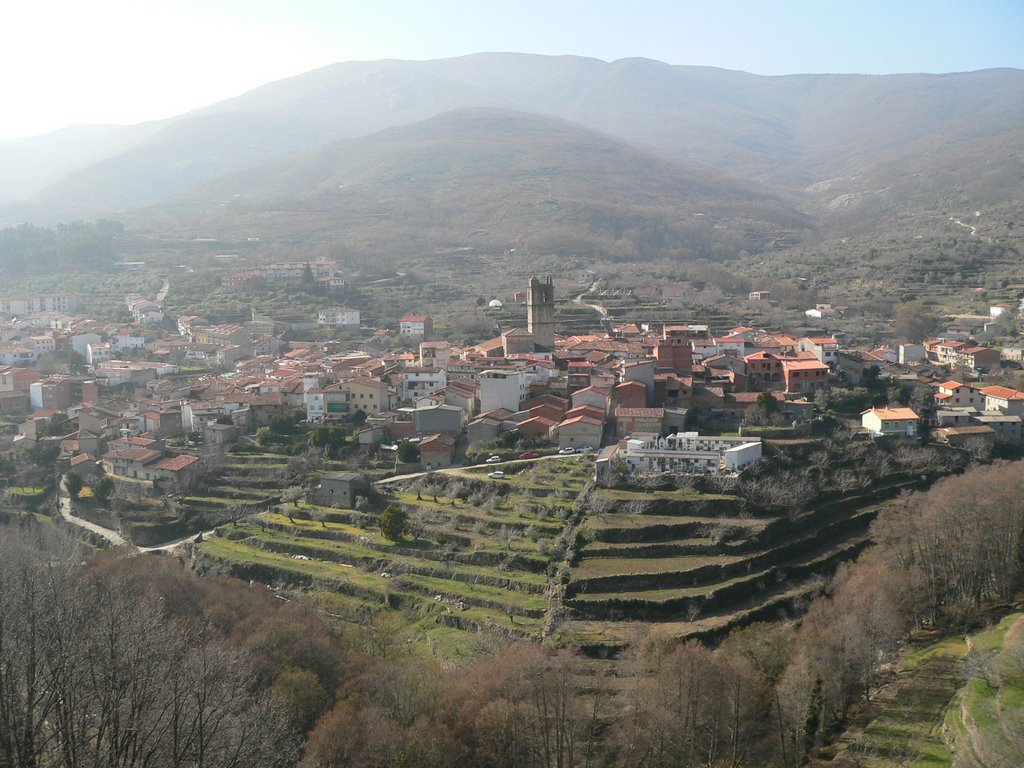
[540, 312]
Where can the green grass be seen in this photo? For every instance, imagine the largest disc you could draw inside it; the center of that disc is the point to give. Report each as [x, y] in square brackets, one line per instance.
[663, 595]
[239, 552]
[505, 514]
[479, 604]
[361, 553]
[616, 633]
[680, 494]
[986, 715]
[622, 566]
[925, 722]
[496, 595]
[630, 522]
[26, 491]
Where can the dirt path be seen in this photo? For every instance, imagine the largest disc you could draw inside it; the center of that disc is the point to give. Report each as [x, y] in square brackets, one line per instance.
[164, 290]
[112, 536]
[64, 504]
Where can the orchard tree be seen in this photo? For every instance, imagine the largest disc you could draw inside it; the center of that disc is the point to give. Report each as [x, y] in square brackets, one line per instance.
[914, 321]
[766, 405]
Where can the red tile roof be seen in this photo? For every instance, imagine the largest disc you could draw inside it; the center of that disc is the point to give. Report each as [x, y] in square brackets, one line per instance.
[582, 419]
[177, 463]
[1003, 393]
[893, 414]
[633, 412]
[803, 365]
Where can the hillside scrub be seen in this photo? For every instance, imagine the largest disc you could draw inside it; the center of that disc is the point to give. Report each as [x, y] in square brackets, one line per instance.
[940, 557]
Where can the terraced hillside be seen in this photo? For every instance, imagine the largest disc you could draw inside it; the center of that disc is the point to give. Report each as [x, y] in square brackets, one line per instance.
[538, 553]
[956, 702]
[985, 722]
[479, 553]
[696, 565]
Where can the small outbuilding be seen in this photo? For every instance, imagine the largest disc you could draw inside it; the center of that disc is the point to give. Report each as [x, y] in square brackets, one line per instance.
[339, 489]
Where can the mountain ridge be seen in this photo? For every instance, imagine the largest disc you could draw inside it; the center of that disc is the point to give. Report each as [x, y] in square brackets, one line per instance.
[503, 177]
[832, 142]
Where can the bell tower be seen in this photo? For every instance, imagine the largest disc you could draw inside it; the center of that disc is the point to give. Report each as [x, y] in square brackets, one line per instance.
[540, 311]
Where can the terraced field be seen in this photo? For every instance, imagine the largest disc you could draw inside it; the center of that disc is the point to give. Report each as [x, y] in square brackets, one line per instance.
[483, 554]
[695, 565]
[529, 555]
[930, 716]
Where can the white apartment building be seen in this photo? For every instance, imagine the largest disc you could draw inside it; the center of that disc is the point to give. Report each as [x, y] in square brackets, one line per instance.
[338, 317]
[502, 389]
[686, 453]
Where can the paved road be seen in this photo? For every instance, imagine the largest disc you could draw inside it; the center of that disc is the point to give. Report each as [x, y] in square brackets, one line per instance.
[463, 470]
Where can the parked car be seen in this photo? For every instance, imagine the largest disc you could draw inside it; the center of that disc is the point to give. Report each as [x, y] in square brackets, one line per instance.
[566, 451]
[529, 455]
[493, 459]
[496, 475]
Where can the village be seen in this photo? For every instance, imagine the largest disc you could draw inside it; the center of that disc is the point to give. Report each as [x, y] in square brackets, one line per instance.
[647, 397]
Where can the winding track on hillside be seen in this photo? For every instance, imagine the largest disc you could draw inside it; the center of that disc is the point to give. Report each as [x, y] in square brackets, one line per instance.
[114, 538]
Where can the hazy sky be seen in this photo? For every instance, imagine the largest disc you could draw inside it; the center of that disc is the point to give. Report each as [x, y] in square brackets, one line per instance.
[126, 61]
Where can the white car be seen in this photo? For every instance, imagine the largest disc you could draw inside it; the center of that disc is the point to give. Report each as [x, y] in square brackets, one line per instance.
[566, 451]
[498, 475]
[493, 459]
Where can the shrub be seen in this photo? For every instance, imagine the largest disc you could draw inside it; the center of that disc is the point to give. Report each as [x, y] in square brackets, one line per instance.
[104, 489]
[74, 483]
[393, 522]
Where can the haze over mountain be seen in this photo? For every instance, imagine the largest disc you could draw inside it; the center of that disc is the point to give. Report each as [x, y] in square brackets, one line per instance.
[850, 139]
[496, 178]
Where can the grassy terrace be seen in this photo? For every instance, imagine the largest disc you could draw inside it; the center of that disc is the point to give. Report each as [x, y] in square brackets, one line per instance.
[481, 562]
[693, 566]
[617, 528]
[502, 514]
[628, 566]
[759, 581]
[485, 552]
[330, 550]
[985, 721]
[406, 590]
[682, 494]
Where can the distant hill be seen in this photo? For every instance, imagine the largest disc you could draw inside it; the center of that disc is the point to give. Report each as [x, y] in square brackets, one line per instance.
[32, 164]
[793, 130]
[493, 178]
[860, 152]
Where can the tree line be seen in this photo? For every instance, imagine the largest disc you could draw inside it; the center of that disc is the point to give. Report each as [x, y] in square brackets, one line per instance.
[31, 250]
